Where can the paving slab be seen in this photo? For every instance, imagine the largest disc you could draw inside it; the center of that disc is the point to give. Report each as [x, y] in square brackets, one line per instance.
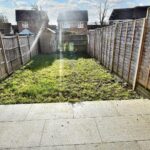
[50, 111]
[71, 131]
[14, 112]
[144, 145]
[132, 107]
[110, 146]
[48, 148]
[123, 128]
[20, 134]
[106, 125]
[146, 118]
[94, 109]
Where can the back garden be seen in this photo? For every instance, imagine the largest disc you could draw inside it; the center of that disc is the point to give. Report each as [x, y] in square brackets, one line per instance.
[69, 77]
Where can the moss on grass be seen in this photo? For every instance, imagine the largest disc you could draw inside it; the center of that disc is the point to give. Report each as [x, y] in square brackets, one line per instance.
[73, 78]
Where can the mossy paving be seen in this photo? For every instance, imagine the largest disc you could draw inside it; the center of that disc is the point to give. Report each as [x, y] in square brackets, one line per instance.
[82, 79]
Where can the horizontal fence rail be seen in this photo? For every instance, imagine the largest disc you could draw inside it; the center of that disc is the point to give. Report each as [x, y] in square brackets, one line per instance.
[124, 48]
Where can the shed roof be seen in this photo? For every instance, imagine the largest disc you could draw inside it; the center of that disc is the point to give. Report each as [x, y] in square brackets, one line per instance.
[76, 15]
[26, 32]
[129, 13]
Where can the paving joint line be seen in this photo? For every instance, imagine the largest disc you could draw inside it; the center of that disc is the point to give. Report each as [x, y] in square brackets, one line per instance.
[42, 133]
[98, 130]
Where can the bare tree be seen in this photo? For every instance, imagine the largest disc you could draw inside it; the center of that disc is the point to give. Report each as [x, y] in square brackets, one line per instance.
[35, 7]
[3, 19]
[103, 10]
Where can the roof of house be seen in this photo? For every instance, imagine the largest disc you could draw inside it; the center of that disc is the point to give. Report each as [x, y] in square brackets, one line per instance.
[25, 15]
[76, 15]
[129, 13]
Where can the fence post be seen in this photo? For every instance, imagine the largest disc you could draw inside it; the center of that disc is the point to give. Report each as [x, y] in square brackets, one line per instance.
[147, 78]
[132, 48]
[119, 47]
[101, 33]
[103, 48]
[106, 47]
[141, 47]
[19, 47]
[126, 34]
[109, 57]
[99, 47]
[28, 39]
[114, 45]
[88, 43]
[94, 49]
[4, 54]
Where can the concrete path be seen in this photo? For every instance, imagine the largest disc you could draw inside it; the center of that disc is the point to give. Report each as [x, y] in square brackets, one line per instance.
[100, 125]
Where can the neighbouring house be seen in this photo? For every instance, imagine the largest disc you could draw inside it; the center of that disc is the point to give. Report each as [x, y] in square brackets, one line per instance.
[119, 15]
[73, 21]
[30, 19]
[5, 28]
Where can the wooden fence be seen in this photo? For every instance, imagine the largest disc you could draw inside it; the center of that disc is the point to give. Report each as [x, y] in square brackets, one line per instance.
[15, 51]
[48, 41]
[78, 41]
[124, 48]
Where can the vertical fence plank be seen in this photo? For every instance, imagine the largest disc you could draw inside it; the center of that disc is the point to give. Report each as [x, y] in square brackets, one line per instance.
[147, 78]
[119, 47]
[20, 52]
[106, 47]
[94, 43]
[4, 54]
[114, 46]
[126, 33]
[132, 48]
[140, 52]
[87, 43]
[101, 45]
[28, 39]
[99, 42]
[110, 47]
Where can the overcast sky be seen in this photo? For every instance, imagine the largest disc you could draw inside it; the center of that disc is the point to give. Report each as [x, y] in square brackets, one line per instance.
[53, 7]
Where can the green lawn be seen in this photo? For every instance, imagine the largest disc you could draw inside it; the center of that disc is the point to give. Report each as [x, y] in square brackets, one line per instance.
[72, 78]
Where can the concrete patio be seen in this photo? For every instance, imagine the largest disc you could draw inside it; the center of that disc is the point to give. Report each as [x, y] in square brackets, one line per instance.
[99, 125]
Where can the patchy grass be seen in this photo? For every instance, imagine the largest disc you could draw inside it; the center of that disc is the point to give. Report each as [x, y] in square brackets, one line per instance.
[73, 78]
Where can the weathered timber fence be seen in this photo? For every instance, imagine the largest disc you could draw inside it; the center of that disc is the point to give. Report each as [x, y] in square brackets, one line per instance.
[48, 43]
[124, 48]
[78, 41]
[14, 52]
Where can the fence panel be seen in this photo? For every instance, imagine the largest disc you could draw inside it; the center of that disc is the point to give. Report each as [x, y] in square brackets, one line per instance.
[14, 52]
[3, 72]
[136, 44]
[25, 50]
[124, 48]
[144, 69]
[35, 49]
